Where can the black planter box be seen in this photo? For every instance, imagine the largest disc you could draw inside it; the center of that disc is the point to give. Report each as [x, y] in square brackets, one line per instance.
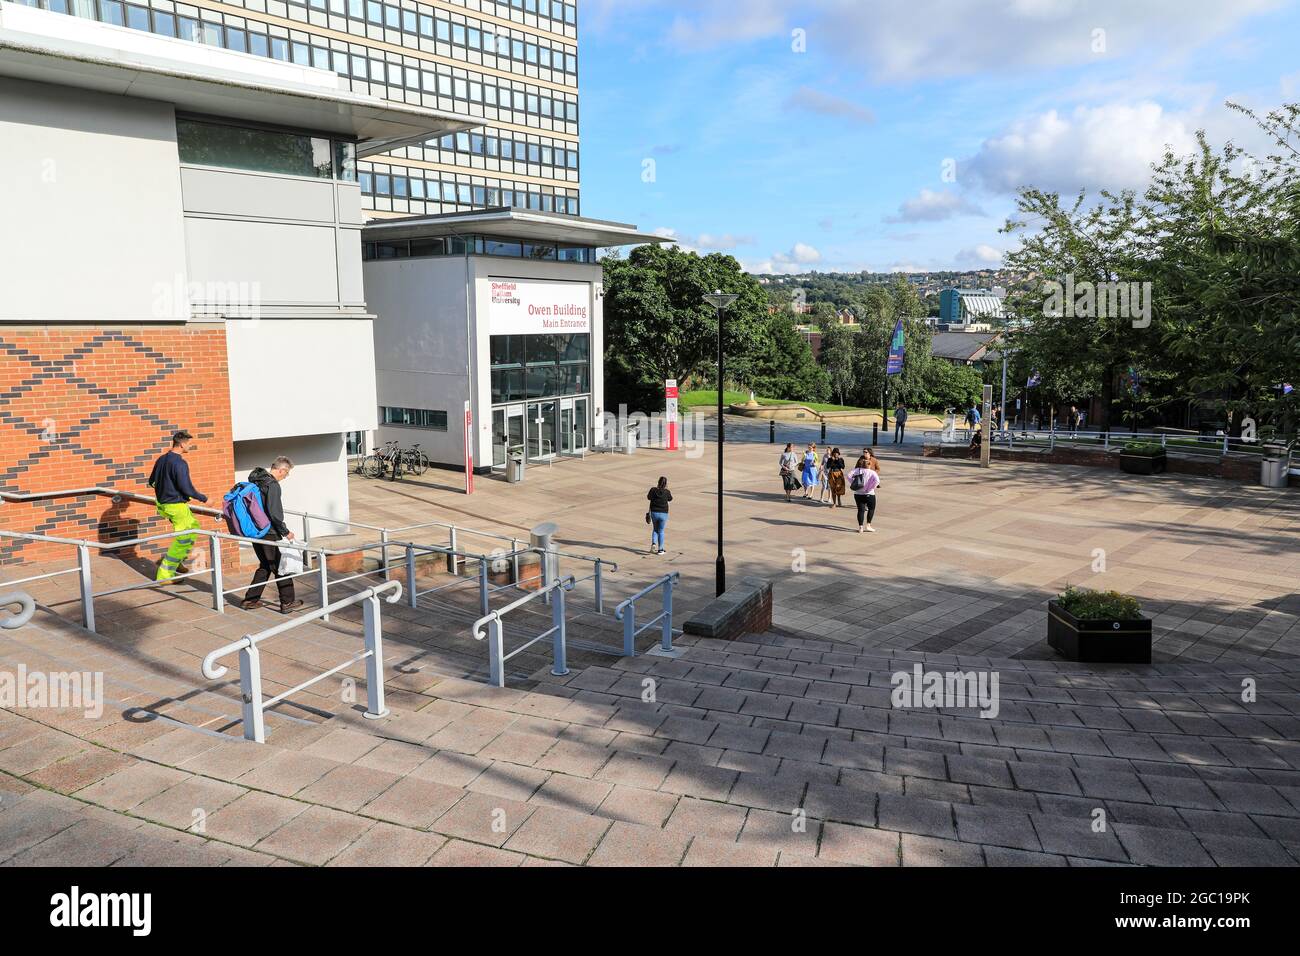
[1142, 464]
[1098, 642]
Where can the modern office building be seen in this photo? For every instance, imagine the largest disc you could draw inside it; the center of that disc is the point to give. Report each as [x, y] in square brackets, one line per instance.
[184, 227]
[511, 66]
[960, 307]
[499, 310]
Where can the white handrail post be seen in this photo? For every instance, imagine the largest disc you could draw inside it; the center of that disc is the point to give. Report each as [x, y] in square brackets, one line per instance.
[629, 630]
[383, 552]
[1106, 445]
[1225, 441]
[250, 691]
[218, 583]
[375, 708]
[496, 653]
[483, 596]
[559, 653]
[306, 530]
[87, 584]
[600, 590]
[451, 550]
[514, 561]
[667, 644]
[1164, 439]
[322, 572]
[410, 576]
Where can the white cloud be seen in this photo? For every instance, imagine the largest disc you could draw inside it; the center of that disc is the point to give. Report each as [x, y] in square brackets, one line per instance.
[931, 206]
[808, 100]
[1110, 146]
[928, 39]
[799, 259]
[705, 242]
[982, 254]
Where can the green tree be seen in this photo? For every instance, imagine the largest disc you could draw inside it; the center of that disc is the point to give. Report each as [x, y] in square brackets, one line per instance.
[837, 359]
[658, 326]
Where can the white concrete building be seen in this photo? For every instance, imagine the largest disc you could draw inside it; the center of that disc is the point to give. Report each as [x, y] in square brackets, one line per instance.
[196, 211]
[500, 310]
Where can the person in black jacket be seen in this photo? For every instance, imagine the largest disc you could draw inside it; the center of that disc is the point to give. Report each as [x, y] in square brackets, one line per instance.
[659, 496]
[173, 490]
[268, 556]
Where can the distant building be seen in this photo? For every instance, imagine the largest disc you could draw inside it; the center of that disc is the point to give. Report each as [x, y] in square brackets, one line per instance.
[960, 307]
[965, 348]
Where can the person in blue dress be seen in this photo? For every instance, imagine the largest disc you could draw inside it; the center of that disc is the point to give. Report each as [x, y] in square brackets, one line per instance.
[809, 469]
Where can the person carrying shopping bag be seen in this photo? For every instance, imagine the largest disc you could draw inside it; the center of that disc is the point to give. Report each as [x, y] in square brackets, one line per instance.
[863, 482]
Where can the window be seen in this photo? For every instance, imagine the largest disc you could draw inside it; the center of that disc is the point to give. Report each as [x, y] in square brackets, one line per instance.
[414, 418]
[235, 147]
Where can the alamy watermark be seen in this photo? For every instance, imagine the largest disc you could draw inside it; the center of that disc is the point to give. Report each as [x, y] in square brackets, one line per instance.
[919, 688]
[58, 690]
[1085, 299]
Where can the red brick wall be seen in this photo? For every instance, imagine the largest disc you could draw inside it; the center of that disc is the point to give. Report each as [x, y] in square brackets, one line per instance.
[83, 406]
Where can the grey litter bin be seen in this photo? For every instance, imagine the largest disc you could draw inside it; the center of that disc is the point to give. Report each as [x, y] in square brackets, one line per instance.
[629, 439]
[1273, 466]
[515, 467]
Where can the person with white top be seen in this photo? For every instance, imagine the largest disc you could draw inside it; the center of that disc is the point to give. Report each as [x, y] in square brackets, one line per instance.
[789, 470]
[863, 482]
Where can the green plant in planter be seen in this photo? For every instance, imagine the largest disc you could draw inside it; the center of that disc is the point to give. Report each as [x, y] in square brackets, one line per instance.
[1087, 605]
[1143, 448]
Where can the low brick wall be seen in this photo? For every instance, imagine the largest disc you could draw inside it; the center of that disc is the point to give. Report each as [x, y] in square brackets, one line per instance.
[1242, 470]
[745, 609]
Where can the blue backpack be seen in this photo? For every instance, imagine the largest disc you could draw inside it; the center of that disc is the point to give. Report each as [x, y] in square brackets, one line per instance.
[244, 512]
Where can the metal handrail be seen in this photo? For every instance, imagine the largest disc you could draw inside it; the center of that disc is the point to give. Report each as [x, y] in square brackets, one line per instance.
[495, 633]
[250, 663]
[26, 605]
[1192, 444]
[626, 612]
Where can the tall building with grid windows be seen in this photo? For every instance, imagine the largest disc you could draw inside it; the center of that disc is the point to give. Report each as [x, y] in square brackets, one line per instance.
[513, 64]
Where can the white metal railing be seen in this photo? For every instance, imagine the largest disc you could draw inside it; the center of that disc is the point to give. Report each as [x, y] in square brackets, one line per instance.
[626, 612]
[495, 632]
[250, 659]
[25, 604]
[1106, 440]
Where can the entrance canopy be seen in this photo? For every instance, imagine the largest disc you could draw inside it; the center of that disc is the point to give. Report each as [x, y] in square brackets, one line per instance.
[522, 224]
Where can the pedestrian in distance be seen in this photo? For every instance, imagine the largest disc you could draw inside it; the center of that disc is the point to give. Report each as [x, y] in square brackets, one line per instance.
[900, 423]
[863, 482]
[173, 492]
[268, 555]
[789, 470]
[809, 475]
[658, 496]
[835, 477]
[823, 480]
[1074, 419]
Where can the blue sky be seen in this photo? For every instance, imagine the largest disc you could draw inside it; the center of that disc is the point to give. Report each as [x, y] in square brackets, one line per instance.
[841, 135]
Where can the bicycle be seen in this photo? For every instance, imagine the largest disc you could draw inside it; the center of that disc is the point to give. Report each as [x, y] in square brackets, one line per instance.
[414, 460]
[376, 464]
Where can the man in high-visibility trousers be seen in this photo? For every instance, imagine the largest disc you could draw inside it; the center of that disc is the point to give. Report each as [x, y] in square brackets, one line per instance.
[170, 481]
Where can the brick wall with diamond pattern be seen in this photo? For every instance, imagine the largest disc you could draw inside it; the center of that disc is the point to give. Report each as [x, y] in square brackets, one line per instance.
[83, 407]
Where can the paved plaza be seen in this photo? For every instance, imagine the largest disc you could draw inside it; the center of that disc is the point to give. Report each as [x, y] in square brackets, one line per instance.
[783, 748]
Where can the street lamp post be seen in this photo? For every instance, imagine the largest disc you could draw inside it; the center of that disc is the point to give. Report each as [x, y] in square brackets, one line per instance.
[721, 302]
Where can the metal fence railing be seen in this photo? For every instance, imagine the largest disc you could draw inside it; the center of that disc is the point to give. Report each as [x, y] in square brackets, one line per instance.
[250, 659]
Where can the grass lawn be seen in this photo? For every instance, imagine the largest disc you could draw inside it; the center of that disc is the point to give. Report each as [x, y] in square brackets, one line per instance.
[709, 399]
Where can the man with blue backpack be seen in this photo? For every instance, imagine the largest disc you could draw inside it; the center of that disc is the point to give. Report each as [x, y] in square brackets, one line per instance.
[265, 493]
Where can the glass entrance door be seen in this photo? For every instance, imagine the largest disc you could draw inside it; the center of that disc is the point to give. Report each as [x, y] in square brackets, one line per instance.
[573, 426]
[566, 426]
[542, 430]
[507, 432]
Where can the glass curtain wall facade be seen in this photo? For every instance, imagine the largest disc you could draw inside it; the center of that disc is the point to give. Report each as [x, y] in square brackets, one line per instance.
[541, 396]
[511, 63]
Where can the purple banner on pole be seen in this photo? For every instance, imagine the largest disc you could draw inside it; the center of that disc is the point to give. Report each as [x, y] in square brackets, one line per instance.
[896, 351]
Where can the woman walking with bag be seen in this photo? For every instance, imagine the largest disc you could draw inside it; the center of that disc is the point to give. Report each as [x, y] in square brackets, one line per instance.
[863, 482]
[809, 469]
[658, 496]
[835, 477]
[789, 470]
